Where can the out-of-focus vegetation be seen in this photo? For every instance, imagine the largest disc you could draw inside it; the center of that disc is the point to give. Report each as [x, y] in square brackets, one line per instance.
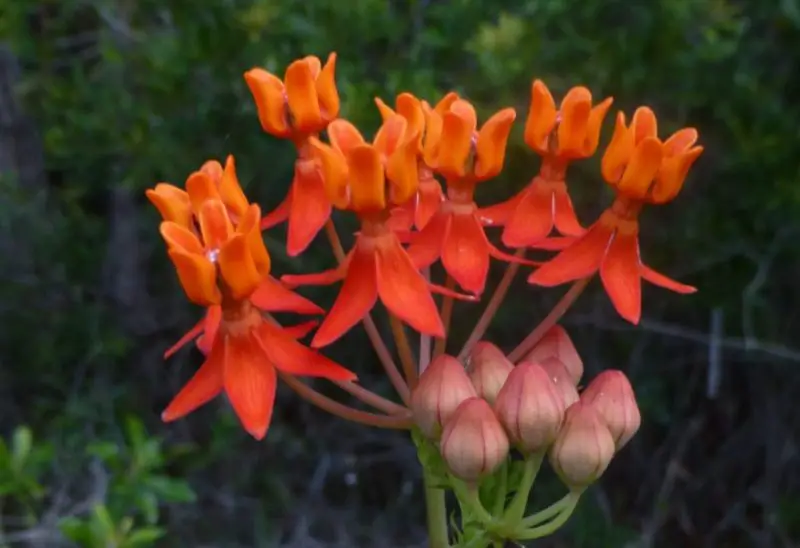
[100, 99]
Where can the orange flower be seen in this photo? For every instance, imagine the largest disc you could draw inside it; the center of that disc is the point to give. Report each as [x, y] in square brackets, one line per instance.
[642, 169]
[298, 108]
[562, 136]
[370, 179]
[465, 157]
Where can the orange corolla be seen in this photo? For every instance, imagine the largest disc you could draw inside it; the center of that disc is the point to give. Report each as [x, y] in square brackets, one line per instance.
[222, 264]
[370, 179]
[642, 169]
[560, 137]
[298, 108]
[465, 157]
[429, 196]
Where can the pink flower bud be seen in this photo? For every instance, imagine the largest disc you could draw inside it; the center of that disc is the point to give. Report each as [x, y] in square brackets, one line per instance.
[530, 408]
[557, 344]
[473, 442]
[611, 395]
[488, 369]
[584, 447]
[561, 379]
[441, 388]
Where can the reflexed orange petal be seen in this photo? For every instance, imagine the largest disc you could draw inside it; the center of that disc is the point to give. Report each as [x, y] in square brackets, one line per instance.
[367, 180]
[249, 227]
[215, 226]
[326, 277]
[269, 95]
[250, 382]
[213, 169]
[171, 202]
[230, 190]
[532, 219]
[277, 215]
[201, 188]
[326, 89]
[656, 278]
[641, 169]
[335, 173]
[343, 135]
[429, 201]
[301, 93]
[238, 268]
[644, 124]
[541, 118]
[356, 298]
[181, 238]
[455, 145]
[672, 174]
[272, 296]
[594, 126]
[499, 214]
[290, 356]
[581, 259]
[300, 330]
[405, 292]
[385, 110]
[678, 142]
[490, 150]
[465, 253]
[402, 172]
[211, 325]
[426, 245]
[390, 135]
[310, 208]
[198, 277]
[618, 152]
[564, 217]
[576, 108]
[620, 275]
[204, 386]
[187, 337]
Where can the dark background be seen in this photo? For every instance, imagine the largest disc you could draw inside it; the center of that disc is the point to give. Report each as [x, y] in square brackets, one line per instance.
[101, 99]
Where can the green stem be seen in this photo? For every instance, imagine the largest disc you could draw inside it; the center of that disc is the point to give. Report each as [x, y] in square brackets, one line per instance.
[502, 491]
[469, 496]
[516, 510]
[436, 513]
[552, 526]
[547, 513]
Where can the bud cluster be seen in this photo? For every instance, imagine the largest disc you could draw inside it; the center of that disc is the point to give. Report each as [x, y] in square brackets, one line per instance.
[479, 410]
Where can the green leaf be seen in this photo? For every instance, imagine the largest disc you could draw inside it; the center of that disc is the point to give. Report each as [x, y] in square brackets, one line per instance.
[170, 489]
[144, 536]
[21, 447]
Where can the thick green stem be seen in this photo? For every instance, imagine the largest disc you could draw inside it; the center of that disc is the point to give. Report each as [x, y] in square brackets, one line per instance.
[436, 513]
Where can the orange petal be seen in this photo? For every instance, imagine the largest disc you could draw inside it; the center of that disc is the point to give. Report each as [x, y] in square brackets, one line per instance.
[385, 110]
[213, 169]
[277, 215]
[230, 190]
[201, 388]
[575, 111]
[250, 382]
[326, 277]
[402, 172]
[211, 325]
[343, 135]
[541, 118]
[499, 214]
[238, 268]
[656, 278]
[581, 259]
[465, 253]
[300, 330]
[644, 124]
[532, 219]
[180, 238]
[187, 337]
[367, 192]
[429, 201]
[356, 298]
[272, 296]
[455, 145]
[426, 245]
[672, 175]
[289, 356]
[201, 188]
[490, 150]
[410, 108]
[215, 226]
[197, 275]
[641, 169]
[171, 202]
[618, 152]
[310, 208]
[269, 95]
[680, 141]
[594, 126]
[314, 63]
[301, 93]
[326, 89]
[621, 278]
[565, 220]
[390, 135]
[249, 227]
[404, 291]
[335, 173]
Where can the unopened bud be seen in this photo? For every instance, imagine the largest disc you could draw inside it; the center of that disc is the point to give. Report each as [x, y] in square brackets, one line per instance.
[441, 388]
[583, 448]
[530, 408]
[473, 442]
[557, 344]
[488, 369]
[611, 395]
[561, 379]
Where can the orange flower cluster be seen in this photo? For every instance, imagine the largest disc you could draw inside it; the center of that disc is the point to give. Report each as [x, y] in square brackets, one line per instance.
[412, 188]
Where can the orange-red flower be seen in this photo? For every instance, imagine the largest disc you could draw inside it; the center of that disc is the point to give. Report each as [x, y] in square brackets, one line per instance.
[370, 179]
[297, 108]
[222, 264]
[559, 136]
[465, 157]
[642, 169]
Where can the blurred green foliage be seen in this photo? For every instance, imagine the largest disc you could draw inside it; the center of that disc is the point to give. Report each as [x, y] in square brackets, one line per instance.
[126, 94]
